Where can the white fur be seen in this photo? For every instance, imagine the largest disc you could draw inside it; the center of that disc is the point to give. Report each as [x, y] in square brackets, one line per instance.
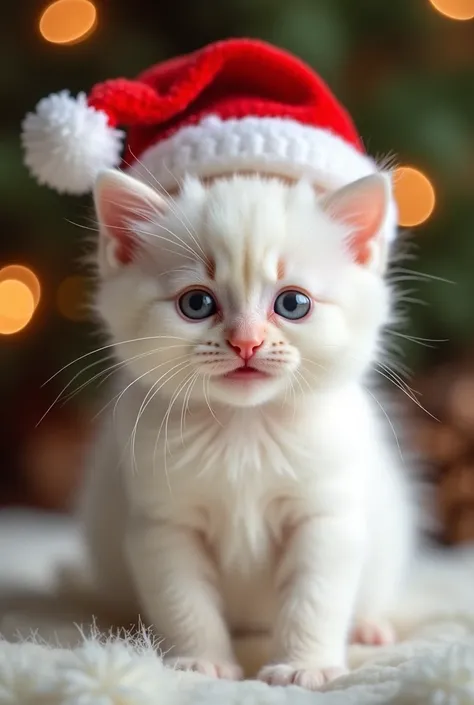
[67, 142]
[277, 504]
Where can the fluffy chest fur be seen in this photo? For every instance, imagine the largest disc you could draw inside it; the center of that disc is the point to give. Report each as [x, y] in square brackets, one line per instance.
[244, 477]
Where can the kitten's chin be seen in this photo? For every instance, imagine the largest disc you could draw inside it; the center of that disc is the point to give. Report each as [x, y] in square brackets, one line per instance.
[249, 389]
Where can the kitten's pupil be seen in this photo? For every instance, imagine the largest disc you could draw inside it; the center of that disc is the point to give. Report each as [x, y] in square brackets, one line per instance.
[291, 302]
[197, 301]
[292, 305]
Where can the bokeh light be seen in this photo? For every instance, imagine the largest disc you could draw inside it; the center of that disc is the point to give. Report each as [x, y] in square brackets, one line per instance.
[455, 9]
[72, 298]
[68, 21]
[20, 292]
[415, 196]
[17, 305]
[22, 274]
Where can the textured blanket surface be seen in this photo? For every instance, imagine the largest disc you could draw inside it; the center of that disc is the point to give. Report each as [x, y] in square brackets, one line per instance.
[51, 654]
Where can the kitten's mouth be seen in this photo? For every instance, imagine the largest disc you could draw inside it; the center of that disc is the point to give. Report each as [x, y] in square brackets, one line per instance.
[246, 373]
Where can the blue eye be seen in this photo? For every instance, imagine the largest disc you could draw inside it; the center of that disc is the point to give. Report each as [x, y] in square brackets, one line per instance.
[197, 304]
[292, 305]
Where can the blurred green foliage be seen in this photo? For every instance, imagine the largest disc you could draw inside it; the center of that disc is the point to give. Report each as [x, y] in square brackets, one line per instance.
[404, 71]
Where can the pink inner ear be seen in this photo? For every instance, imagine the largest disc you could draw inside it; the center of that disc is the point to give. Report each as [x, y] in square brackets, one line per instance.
[122, 202]
[117, 210]
[365, 228]
[362, 206]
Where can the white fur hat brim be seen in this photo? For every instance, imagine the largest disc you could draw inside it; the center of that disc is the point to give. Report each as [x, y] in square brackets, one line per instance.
[274, 146]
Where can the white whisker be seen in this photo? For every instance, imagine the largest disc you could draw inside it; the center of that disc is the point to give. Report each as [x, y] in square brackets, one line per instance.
[419, 276]
[185, 406]
[137, 379]
[301, 376]
[389, 422]
[151, 393]
[165, 421]
[295, 377]
[408, 393]
[205, 262]
[113, 345]
[117, 398]
[178, 391]
[134, 227]
[172, 204]
[205, 388]
[424, 342]
[112, 369]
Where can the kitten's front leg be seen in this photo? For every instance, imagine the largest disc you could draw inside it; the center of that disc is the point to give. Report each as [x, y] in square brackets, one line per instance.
[317, 581]
[177, 586]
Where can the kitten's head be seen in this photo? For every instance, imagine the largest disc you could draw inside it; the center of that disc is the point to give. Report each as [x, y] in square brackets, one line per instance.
[249, 289]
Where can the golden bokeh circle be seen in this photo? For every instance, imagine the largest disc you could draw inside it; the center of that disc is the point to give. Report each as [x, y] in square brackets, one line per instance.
[17, 305]
[68, 21]
[23, 274]
[415, 196]
[455, 9]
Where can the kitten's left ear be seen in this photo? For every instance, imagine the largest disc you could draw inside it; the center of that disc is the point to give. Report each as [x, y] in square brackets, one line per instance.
[124, 207]
[363, 207]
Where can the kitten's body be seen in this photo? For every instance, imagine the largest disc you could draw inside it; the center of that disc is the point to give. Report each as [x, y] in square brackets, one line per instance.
[254, 504]
[244, 522]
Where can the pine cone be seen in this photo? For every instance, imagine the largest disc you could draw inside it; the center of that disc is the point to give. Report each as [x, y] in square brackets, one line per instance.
[446, 442]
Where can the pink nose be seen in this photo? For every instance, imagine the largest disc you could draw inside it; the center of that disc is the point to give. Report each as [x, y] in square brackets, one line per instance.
[245, 348]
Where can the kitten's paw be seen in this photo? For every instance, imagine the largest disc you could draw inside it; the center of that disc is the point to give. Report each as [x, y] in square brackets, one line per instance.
[373, 632]
[227, 671]
[304, 675]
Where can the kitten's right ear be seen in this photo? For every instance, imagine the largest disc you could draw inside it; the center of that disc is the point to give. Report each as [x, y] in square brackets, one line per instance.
[122, 203]
[363, 206]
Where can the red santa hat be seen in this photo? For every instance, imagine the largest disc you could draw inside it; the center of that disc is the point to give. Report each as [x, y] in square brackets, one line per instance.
[239, 105]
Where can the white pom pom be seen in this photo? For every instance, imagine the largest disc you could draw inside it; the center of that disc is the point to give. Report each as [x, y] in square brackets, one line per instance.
[66, 143]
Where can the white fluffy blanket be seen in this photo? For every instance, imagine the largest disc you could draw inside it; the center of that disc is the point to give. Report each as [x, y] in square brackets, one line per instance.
[47, 659]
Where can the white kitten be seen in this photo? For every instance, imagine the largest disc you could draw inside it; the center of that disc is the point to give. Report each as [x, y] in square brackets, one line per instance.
[244, 482]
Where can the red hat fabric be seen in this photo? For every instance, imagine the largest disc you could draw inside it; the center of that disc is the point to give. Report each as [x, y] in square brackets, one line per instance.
[236, 105]
[230, 79]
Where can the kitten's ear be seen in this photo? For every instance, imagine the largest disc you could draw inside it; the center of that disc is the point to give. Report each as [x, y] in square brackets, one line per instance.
[363, 207]
[122, 203]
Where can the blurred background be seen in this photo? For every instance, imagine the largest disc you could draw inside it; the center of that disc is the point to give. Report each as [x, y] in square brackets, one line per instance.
[404, 69]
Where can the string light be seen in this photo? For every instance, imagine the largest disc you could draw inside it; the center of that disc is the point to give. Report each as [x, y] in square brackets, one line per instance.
[20, 292]
[22, 274]
[415, 196]
[72, 298]
[17, 306]
[68, 21]
[455, 9]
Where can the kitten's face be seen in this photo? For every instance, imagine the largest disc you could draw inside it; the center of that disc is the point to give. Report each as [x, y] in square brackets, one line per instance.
[244, 291]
